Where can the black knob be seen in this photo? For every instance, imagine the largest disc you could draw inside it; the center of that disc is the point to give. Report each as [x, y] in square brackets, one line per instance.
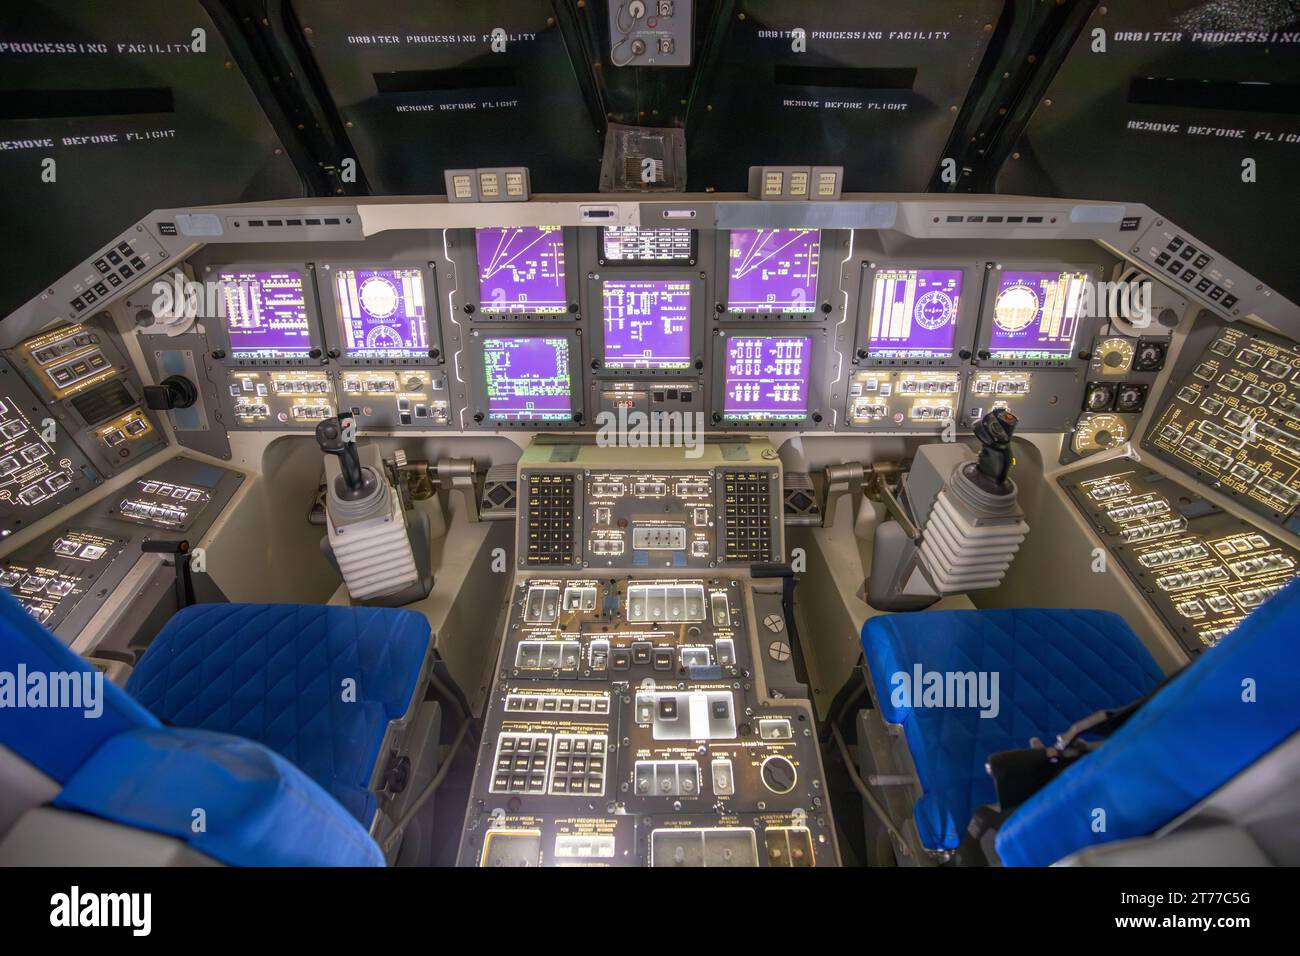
[314, 353]
[699, 364]
[434, 353]
[469, 308]
[595, 364]
[333, 353]
[984, 353]
[218, 353]
[577, 417]
[718, 308]
[826, 307]
[716, 418]
[862, 353]
[778, 774]
[478, 416]
[573, 307]
[964, 354]
[175, 391]
[817, 417]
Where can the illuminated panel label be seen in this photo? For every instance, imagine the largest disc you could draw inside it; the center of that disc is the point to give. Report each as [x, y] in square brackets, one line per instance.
[1036, 314]
[266, 314]
[914, 313]
[767, 378]
[647, 324]
[773, 270]
[527, 378]
[521, 269]
[31, 470]
[382, 312]
[163, 504]
[635, 244]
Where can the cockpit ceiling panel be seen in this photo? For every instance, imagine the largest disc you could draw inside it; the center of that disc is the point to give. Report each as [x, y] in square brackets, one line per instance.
[1189, 106]
[111, 110]
[877, 88]
[424, 86]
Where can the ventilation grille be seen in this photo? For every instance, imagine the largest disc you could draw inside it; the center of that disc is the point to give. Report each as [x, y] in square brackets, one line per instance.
[500, 494]
[102, 403]
[801, 507]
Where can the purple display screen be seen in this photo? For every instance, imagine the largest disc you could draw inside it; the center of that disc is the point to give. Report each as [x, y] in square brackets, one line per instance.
[914, 313]
[382, 312]
[521, 269]
[647, 323]
[527, 378]
[266, 314]
[773, 270]
[1036, 314]
[766, 378]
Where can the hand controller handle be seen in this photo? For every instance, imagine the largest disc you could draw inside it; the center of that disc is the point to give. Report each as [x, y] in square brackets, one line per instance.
[994, 432]
[330, 437]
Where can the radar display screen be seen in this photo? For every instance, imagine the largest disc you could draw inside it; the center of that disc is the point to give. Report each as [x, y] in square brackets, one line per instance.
[914, 313]
[766, 378]
[521, 270]
[1036, 315]
[647, 324]
[266, 314]
[382, 312]
[773, 270]
[637, 244]
[528, 378]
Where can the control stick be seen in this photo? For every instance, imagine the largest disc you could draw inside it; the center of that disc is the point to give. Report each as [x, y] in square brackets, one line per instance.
[994, 432]
[330, 437]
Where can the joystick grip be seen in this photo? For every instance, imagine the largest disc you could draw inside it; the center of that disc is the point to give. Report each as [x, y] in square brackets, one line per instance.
[330, 437]
[994, 432]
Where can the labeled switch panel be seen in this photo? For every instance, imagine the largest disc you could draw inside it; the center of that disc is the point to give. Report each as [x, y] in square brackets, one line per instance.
[1201, 569]
[650, 32]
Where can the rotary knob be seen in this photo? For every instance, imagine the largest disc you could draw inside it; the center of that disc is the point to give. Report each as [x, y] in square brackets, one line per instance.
[778, 774]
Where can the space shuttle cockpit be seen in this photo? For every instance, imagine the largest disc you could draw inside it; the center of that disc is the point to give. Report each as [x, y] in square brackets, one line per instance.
[573, 435]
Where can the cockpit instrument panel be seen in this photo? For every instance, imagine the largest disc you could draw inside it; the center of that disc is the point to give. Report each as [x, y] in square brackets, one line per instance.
[637, 245]
[1201, 569]
[268, 315]
[1040, 316]
[648, 325]
[765, 377]
[917, 315]
[1234, 419]
[772, 272]
[381, 314]
[522, 270]
[527, 378]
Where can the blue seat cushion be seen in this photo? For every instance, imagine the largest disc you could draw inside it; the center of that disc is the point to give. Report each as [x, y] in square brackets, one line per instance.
[1233, 705]
[55, 740]
[233, 800]
[316, 684]
[1052, 666]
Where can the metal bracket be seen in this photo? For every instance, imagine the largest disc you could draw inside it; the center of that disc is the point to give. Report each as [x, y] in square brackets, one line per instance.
[460, 474]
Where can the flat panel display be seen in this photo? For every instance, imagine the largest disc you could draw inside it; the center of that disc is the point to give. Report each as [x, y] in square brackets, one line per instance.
[382, 313]
[647, 323]
[766, 378]
[914, 313]
[637, 244]
[773, 270]
[1036, 314]
[528, 378]
[521, 269]
[266, 314]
